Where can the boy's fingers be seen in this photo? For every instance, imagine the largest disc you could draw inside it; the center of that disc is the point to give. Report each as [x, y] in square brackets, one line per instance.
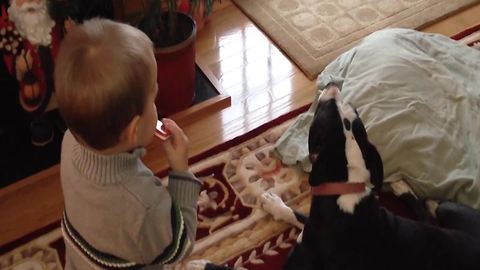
[171, 126]
[176, 146]
[167, 146]
[175, 131]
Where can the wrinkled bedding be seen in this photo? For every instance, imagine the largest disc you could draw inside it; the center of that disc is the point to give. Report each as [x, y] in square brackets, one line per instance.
[418, 95]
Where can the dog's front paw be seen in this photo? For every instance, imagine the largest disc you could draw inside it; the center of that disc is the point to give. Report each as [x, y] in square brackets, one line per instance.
[197, 264]
[274, 205]
[400, 187]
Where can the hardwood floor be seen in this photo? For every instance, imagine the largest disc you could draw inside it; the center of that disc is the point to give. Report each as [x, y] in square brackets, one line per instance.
[262, 82]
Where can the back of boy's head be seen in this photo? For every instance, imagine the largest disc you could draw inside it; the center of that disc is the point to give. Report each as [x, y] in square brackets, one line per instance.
[103, 73]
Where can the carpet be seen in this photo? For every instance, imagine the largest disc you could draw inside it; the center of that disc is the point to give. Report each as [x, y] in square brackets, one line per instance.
[232, 229]
[314, 32]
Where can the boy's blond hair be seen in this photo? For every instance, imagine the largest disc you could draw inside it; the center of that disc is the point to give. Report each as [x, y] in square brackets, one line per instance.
[102, 78]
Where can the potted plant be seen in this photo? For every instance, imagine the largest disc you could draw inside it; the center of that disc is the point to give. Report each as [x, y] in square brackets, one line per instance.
[198, 9]
[173, 33]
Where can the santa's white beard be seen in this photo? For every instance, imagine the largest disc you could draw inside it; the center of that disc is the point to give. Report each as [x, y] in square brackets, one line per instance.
[32, 22]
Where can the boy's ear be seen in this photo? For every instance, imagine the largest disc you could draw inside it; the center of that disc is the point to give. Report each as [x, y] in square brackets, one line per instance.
[129, 134]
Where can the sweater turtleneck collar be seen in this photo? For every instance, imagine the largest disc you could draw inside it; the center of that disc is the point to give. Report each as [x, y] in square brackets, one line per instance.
[106, 169]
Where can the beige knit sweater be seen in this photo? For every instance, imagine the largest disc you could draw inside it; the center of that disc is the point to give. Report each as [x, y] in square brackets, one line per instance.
[120, 208]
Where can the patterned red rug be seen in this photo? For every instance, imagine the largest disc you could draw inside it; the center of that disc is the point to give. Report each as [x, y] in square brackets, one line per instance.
[232, 228]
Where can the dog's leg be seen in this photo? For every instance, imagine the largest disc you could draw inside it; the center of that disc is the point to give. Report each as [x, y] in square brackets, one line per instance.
[274, 205]
[298, 258]
[460, 217]
[405, 193]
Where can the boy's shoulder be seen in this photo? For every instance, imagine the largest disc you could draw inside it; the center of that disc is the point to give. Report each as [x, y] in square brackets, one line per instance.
[139, 188]
[147, 192]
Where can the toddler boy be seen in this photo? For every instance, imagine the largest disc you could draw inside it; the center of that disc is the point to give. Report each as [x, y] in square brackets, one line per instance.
[117, 214]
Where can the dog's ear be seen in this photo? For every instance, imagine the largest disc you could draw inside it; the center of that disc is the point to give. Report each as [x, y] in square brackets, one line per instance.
[375, 166]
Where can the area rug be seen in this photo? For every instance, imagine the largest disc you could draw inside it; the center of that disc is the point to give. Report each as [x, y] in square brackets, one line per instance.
[314, 32]
[232, 228]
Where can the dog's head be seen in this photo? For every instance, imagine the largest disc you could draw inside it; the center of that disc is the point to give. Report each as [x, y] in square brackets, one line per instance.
[338, 144]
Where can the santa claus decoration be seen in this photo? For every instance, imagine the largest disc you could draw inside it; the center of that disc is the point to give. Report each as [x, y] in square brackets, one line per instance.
[29, 40]
[31, 129]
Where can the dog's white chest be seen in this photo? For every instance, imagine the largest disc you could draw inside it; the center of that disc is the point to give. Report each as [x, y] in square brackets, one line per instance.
[347, 202]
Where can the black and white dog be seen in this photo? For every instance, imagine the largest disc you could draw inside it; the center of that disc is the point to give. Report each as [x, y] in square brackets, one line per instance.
[347, 228]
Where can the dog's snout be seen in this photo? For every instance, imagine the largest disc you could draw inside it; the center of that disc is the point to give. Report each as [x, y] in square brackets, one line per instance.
[333, 90]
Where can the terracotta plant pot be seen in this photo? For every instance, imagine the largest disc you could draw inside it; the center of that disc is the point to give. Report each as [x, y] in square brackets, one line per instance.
[176, 70]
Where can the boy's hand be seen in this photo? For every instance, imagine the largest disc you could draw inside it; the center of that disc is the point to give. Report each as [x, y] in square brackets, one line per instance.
[176, 146]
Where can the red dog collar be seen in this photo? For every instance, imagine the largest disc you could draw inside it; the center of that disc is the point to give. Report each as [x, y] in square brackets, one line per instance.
[338, 189]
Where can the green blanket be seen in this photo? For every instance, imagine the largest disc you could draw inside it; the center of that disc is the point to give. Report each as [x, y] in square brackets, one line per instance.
[419, 97]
